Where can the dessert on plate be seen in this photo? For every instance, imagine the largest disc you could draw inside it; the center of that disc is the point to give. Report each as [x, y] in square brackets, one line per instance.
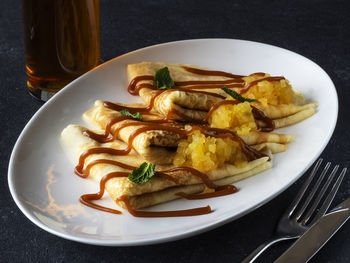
[198, 132]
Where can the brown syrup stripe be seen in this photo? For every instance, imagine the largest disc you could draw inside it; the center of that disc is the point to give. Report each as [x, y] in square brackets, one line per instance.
[87, 199]
[188, 212]
[103, 138]
[211, 72]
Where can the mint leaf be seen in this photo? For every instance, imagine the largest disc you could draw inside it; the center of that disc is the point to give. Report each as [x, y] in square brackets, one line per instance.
[236, 95]
[127, 113]
[163, 79]
[143, 173]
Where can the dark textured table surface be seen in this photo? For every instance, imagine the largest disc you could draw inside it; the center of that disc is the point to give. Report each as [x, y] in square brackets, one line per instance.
[318, 30]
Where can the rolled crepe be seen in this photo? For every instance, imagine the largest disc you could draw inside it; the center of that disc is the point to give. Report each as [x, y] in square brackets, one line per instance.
[157, 189]
[193, 105]
[159, 146]
[196, 105]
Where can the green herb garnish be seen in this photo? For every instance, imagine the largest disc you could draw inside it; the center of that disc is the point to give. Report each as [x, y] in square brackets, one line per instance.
[143, 173]
[236, 95]
[163, 79]
[127, 113]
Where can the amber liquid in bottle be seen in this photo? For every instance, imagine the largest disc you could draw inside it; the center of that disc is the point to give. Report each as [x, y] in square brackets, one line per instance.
[62, 41]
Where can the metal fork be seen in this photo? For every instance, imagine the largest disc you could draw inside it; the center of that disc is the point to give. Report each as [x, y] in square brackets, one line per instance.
[301, 215]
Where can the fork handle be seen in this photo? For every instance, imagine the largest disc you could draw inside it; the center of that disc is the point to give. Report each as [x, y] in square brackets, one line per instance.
[260, 249]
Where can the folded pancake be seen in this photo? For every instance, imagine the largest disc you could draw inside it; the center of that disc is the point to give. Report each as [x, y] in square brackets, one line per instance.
[198, 90]
[160, 146]
[158, 189]
[190, 102]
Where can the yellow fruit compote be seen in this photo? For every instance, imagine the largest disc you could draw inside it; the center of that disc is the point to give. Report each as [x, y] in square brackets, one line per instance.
[269, 92]
[238, 118]
[206, 153]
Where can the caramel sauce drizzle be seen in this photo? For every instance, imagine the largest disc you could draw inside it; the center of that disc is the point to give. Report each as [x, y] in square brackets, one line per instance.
[132, 88]
[257, 74]
[102, 138]
[87, 199]
[187, 212]
[216, 86]
[251, 153]
[259, 115]
[215, 83]
[211, 72]
[79, 168]
[147, 109]
[86, 173]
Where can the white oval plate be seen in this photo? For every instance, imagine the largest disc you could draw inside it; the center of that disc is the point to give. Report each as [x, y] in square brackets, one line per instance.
[41, 176]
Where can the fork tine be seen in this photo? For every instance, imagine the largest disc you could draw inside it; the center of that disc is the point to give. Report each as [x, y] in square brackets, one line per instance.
[330, 197]
[312, 193]
[319, 196]
[303, 189]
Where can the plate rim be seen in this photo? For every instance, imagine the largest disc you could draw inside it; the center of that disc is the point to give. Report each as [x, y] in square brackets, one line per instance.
[148, 241]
